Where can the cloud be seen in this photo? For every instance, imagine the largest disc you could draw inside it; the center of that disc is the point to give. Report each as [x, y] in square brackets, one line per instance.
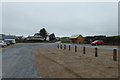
[64, 19]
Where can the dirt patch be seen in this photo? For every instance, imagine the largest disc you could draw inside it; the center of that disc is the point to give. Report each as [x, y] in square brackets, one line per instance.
[57, 63]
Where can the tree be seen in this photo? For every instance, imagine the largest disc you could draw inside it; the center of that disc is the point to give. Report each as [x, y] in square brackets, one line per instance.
[52, 37]
[43, 33]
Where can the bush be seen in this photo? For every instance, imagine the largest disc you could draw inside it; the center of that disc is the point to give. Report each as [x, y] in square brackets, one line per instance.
[65, 40]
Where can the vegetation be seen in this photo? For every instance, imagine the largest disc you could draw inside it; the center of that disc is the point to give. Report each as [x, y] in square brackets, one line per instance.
[113, 40]
[52, 37]
[65, 40]
[43, 33]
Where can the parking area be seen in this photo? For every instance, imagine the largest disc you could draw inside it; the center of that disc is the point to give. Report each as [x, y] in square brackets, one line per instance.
[62, 63]
[18, 61]
[45, 60]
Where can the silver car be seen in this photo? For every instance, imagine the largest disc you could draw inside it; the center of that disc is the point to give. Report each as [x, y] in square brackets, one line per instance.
[2, 43]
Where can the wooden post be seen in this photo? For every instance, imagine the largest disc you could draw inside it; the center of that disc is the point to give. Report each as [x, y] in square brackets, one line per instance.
[75, 48]
[69, 47]
[64, 46]
[61, 46]
[83, 50]
[114, 55]
[96, 52]
[58, 45]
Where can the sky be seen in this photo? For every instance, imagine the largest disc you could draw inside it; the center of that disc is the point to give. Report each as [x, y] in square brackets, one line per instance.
[61, 18]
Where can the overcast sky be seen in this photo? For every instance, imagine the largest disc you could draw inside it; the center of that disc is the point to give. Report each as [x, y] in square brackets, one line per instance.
[63, 19]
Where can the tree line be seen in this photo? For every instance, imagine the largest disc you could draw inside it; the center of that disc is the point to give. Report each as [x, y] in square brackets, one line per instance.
[43, 34]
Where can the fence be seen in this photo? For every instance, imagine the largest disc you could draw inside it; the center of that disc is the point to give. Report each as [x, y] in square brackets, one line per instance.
[60, 46]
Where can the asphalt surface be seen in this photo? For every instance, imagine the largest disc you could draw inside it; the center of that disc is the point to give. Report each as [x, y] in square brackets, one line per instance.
[18, 61]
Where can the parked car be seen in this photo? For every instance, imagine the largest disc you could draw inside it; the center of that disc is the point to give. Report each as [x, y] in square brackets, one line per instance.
[7, 42]
[2, 43]
[97, 42]
[10, 41]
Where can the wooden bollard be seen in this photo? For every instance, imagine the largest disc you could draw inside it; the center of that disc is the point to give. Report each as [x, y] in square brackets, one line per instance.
[64, 46]
[75, 48]
[69, 47]
[96, 52]
[58, 46]
[83, 50]
[114, 55]
[61, 46]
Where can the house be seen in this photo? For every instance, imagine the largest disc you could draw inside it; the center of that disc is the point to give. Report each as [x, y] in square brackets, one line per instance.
[36, 37]
[77, 39]
[4, 36]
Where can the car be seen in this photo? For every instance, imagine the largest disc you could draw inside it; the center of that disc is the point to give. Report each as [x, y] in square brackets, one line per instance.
[98, 42]
[10, 41]
[7, 42]
[2, 43]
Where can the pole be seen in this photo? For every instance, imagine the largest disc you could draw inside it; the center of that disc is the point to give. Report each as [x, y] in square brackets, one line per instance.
[69, 47]
[83, 50]
[75, 48]
[96, 52]
[114, 55]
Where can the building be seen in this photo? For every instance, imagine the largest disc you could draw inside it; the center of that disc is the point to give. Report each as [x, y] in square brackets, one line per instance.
[79, 39]
[36, 37]
[4, 36]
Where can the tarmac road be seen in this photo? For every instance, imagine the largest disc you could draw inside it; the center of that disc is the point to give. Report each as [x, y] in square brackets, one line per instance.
[18, 61]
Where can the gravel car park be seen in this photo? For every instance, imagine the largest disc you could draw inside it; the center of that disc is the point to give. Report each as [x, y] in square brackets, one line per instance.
[28, 60]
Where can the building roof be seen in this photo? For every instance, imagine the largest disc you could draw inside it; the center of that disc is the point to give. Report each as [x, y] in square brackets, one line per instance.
[75, 36]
